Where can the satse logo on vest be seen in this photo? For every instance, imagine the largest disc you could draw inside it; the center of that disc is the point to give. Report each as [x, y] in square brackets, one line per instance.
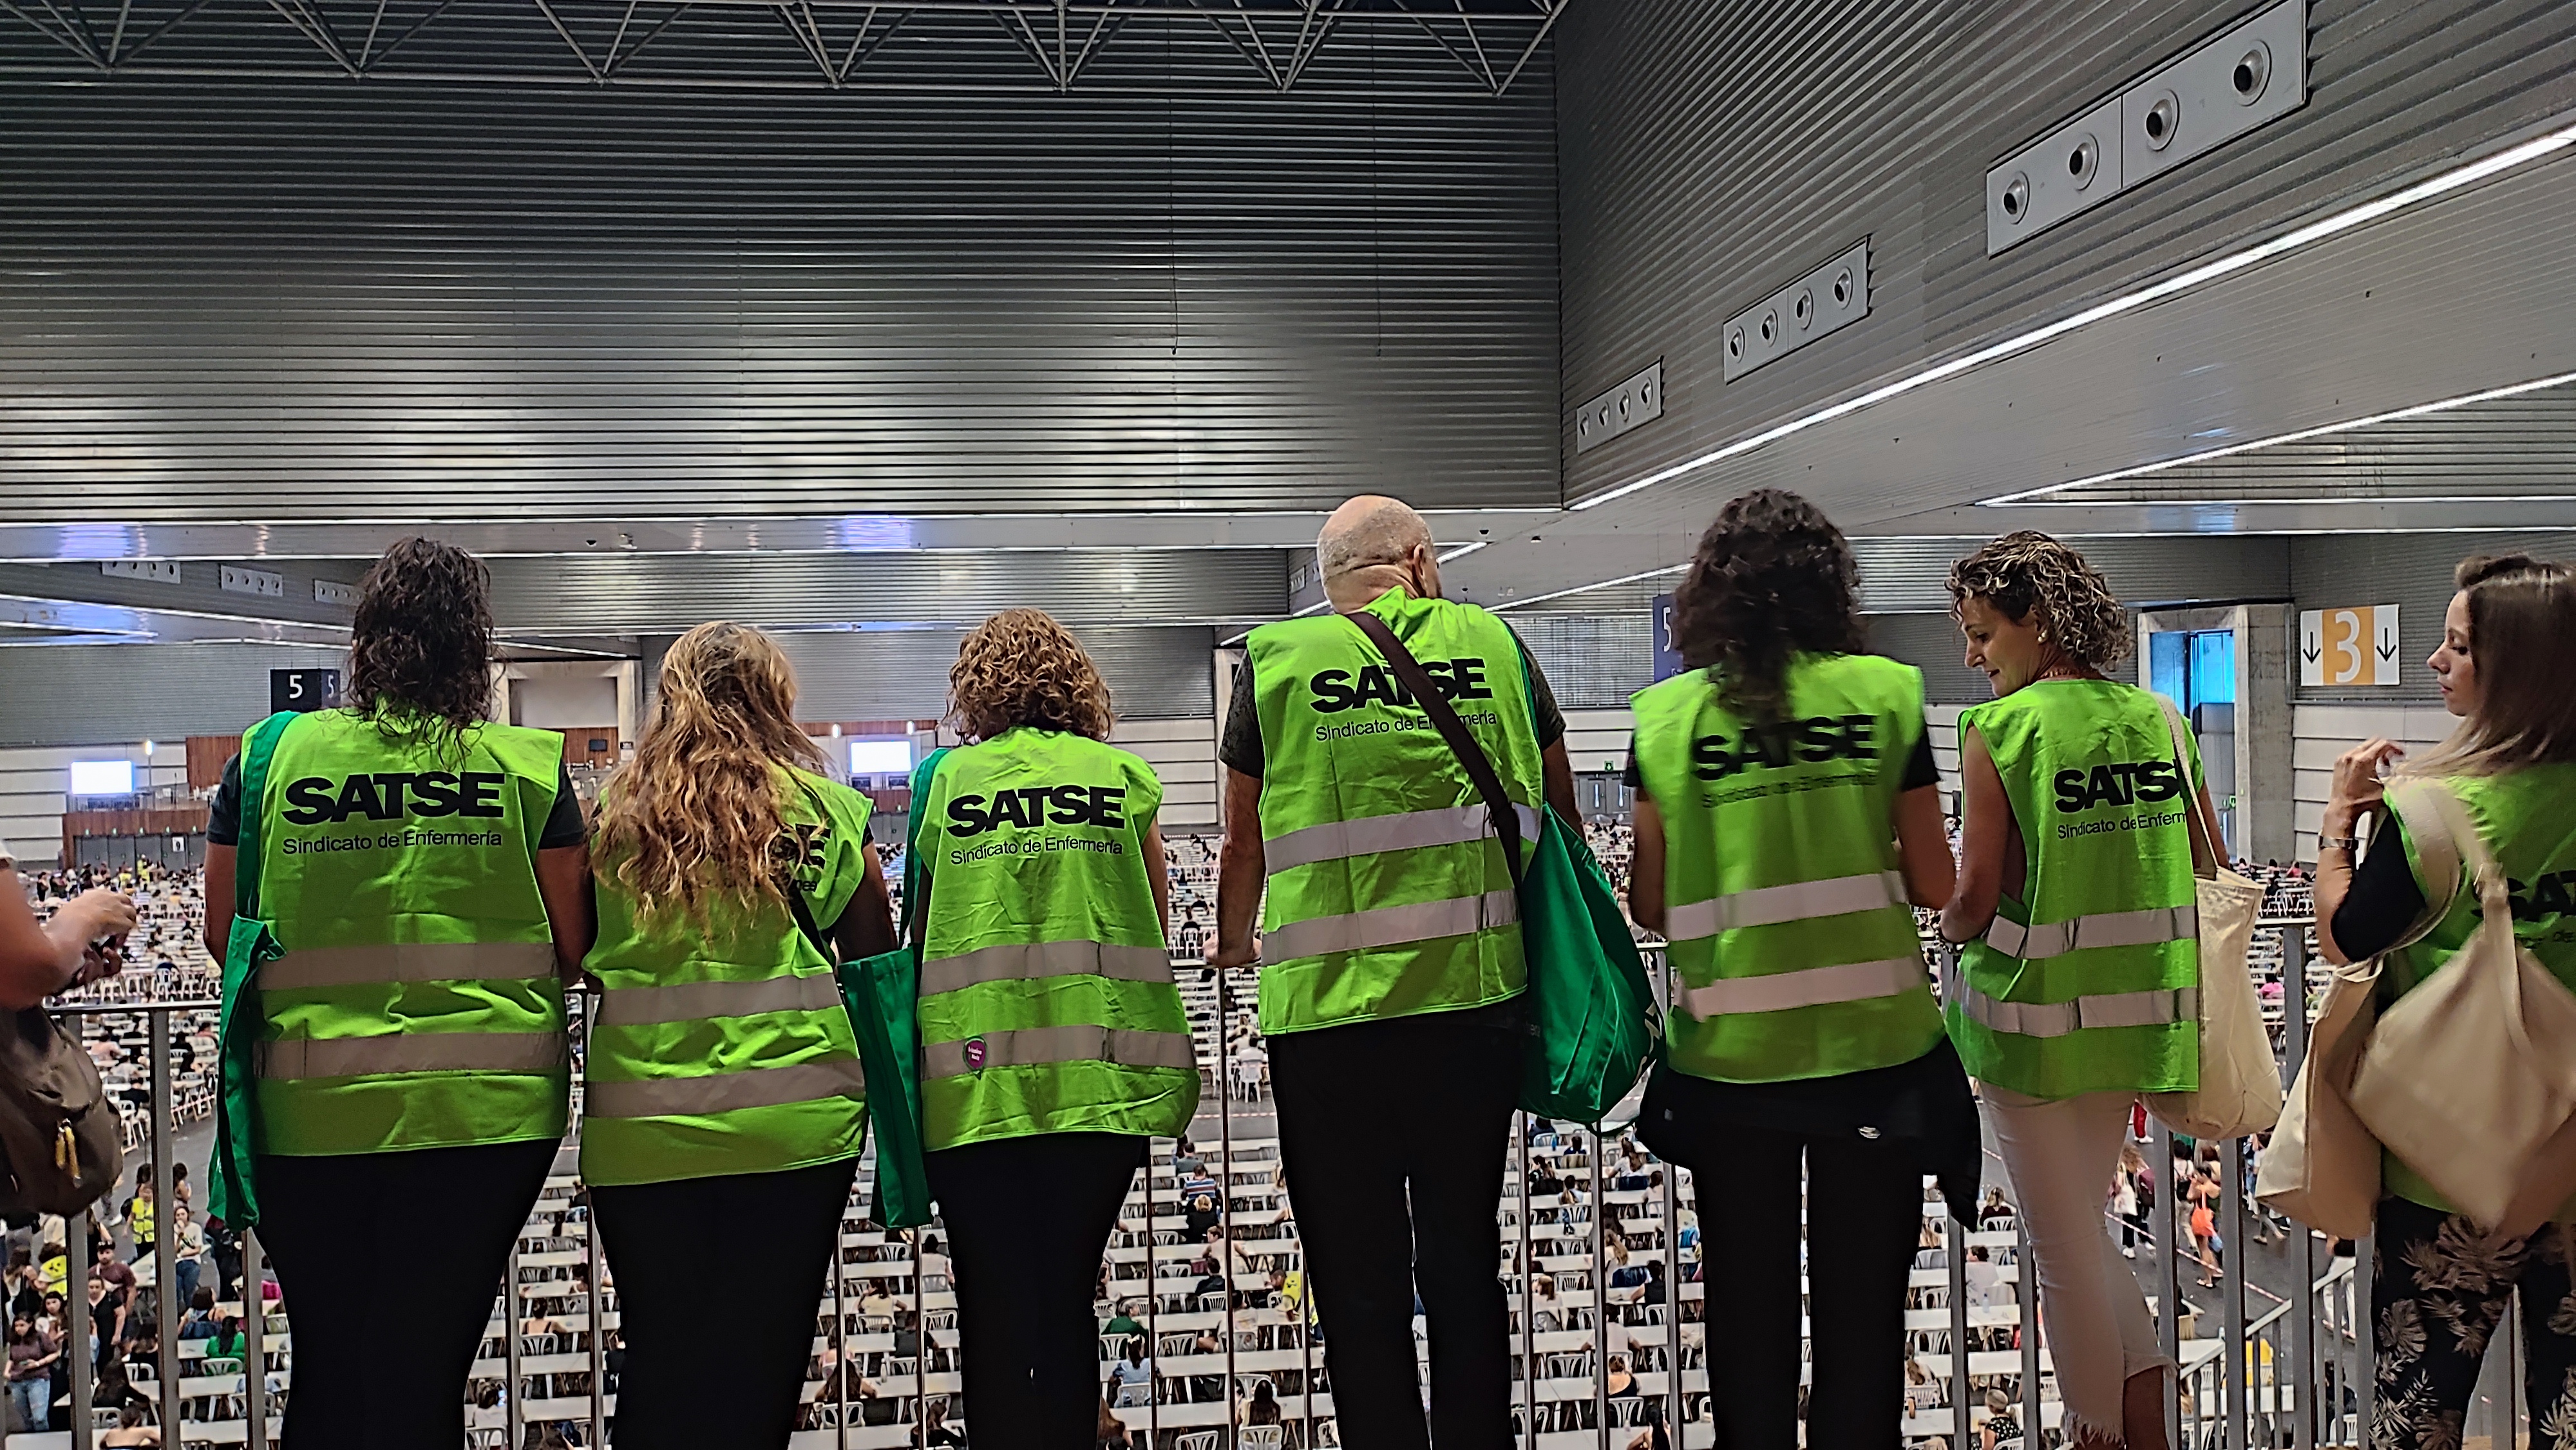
[1039, 805]
[2123, 784]
[391, 795]
[1813, 740]
[1339, 690]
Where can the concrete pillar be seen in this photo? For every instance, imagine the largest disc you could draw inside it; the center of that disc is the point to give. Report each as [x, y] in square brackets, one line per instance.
[2265, 668]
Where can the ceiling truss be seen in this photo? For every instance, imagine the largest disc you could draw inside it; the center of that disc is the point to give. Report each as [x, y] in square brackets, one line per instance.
[835, 44]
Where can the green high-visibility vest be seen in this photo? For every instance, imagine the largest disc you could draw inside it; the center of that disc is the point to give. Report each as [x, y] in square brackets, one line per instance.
[722, 1046]
[1047, 1003]
[2527, 817]
[1389, 892]
[2089, 978]
[417, 1004]
[1784, 906]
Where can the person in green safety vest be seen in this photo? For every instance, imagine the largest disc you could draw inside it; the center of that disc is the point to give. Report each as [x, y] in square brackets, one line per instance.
[1788, 817]
[723, 1085]
[1392, 980]
[2507, 654]
[2079, 974]
[1053, 1041]
[425, 870]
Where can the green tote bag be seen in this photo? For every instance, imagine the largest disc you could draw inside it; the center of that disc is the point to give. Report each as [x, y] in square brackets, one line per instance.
[234, 1195]
[1592, 1014]
[883, 995]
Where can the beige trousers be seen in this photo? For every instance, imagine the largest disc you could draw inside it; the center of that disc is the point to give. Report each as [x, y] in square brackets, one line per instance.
[2060, 1156]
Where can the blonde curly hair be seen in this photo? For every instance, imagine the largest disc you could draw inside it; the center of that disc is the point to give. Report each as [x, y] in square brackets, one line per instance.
[695, 818]
[1021, 667]
[2027, 573]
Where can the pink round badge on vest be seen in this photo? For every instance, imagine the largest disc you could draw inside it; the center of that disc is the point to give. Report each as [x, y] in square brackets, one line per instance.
[975, 1052]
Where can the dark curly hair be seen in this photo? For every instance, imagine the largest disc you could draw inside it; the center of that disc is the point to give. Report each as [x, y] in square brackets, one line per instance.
[420, 652]
[1773, 578]
[2028, 571]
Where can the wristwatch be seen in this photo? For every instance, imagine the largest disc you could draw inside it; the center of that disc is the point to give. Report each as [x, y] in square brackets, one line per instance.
[2339, 843]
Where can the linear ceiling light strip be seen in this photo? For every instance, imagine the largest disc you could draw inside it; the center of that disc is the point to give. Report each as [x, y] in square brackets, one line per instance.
[2538, 148]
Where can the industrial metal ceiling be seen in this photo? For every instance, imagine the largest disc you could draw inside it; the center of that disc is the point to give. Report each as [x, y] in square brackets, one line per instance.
[1152, 47]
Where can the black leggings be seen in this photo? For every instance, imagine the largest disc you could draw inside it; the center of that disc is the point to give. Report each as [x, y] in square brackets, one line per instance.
[1028, 1219]
[2438, 1293]
[390, 1263]
[1384, 1215]
[703, 1372]
[1864, 1211]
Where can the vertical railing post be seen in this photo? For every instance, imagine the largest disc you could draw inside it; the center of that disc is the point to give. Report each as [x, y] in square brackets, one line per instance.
[1153, 1298]
[165, 1267]
[1672, 1239]
[514, 1414]
[2365, 1338]
[2308, 1380]
[255, 1339]
[599, 1317]
[2238, 1374]
[1225, 1192]
[2170, 1216]
[1600, 1294]
[1955, 1258]
[1529, 1292]
[76, 1297]
[2026, 1311]
[838, 1388]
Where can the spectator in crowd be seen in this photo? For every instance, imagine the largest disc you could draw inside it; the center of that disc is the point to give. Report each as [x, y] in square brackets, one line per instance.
[1263, 1408]
[187, 1246]
[1131, 1376]
[2036, 862]
[138, 1215]
[1430, 1012]
[200, 1323]
[1654, 1435]
[1787, 813]
[935, 1429]
[31, 1376]
[1999, 1424]
[1616, 1380]
[403, 1118]
[729, 863]
[1123, 1322]
[224, 1246]
[133, 1428]
[2507, 655]
[83, 941]
[1054, 1043]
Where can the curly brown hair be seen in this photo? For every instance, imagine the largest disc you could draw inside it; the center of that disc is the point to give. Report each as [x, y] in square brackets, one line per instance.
[696, 815]
[1021, 667]
[2026, 572]
[1773, 578]
[420, 649]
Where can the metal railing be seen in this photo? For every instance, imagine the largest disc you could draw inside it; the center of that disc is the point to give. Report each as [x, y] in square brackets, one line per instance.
[2258, 1368]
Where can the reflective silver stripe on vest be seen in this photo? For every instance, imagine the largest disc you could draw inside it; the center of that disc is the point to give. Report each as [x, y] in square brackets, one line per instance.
[398, 1052]
[2102, 929]
[1810, 987]
[1771, 905]
[1037, 1046]
[2154, 1008]
[698, 1001]
[1025, 961]
[409, 962]
[755, 1087]
[1389, 926]
[1334, 840]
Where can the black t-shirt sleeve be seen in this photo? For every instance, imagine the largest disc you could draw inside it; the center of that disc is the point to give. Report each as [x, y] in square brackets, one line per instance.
[1920, 768]
[564, 824]
[223, 815]
[1241, 747]
[2383, 903]
[1551, 720]
[1634, 778]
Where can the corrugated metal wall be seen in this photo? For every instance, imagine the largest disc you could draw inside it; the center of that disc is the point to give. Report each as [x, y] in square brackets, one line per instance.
[106, 694]
[2411, 571]
[903, 674]
[1590, 660]
[396, 303]
[1712, 153]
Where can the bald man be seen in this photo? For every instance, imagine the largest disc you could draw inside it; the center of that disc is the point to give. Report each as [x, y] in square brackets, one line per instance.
[1392, 986]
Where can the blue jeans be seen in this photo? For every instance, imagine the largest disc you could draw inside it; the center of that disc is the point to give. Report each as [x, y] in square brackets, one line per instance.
[187, 1270]
[31, 1397]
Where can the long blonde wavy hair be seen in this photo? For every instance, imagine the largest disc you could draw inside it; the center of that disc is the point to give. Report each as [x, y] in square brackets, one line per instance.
[693, 819]
[1021, 667]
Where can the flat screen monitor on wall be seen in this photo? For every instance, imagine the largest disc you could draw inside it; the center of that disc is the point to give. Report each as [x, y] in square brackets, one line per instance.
[102, 777]
[881, 757]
